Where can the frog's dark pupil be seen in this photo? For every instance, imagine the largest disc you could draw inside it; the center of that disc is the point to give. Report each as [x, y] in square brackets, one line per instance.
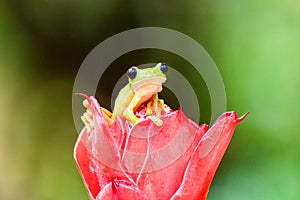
[132, 72]
[164, 68]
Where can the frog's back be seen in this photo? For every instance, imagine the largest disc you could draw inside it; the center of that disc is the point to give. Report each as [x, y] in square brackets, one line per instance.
[122, 101]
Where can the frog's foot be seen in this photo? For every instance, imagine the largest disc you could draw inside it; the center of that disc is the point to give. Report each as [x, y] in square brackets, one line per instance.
[156, 120]
[87, 117]
[163, 106]
[129, 115]
[157, 105]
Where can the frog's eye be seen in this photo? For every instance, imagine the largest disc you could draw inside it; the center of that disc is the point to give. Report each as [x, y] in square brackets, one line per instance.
[131, 73]
[164, 68]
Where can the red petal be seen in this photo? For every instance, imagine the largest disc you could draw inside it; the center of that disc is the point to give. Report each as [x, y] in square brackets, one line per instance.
[206, 158]
[83, 160]
[150, 162]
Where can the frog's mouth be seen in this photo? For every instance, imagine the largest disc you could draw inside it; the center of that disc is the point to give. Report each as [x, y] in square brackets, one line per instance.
[154, 84]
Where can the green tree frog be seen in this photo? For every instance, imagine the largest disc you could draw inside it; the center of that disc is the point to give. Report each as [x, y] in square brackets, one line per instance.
[143, 87]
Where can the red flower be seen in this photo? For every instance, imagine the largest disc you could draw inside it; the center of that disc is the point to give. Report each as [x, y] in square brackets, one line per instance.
[143, 161]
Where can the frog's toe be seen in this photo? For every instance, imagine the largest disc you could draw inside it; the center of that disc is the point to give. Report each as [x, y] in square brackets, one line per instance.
[88, 121]
[89, 114]
[86, 103]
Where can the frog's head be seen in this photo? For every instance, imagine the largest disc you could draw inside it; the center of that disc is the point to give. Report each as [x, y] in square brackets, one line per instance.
[149, 80]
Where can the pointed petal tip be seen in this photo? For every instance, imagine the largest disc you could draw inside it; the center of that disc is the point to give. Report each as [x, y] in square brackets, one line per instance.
[82, 95]
[204, 126]
[242, 117]
[180, 108]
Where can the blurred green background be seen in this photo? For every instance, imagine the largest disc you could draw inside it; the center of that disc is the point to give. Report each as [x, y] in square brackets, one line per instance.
[255, 45]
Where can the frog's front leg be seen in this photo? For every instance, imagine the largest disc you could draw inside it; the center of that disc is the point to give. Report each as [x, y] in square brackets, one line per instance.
[129, 115]
[128, 112]
[159, 105]
[153, 105]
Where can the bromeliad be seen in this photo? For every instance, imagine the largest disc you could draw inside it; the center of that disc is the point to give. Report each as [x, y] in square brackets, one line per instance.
[145, 150]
